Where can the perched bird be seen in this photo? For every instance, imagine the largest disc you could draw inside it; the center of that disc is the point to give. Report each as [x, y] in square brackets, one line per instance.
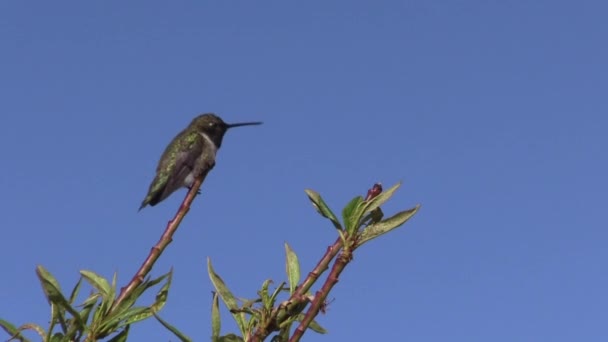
[189, 155]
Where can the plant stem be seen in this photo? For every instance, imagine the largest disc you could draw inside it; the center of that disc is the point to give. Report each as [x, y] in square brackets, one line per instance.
[160, 246]
[343, 259]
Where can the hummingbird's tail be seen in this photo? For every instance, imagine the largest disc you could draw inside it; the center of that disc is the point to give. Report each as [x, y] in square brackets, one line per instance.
[143, 204]
[151, 199]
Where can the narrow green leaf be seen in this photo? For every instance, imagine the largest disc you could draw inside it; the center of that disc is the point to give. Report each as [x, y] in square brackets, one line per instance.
[130, 300]
[283, 333]
[130, 316]
[88, 304]
[51, 289]
[57, 337]
[342, 237]
[322, 207]
[163, 293]
[122, 336]
[135, 314]
[57, 316]
[114, 281]
[348, 214]
[365, 207]
[254, 321]
[264, 295]
[98, 282]
[31, 326]
[8, 327]
[13, 331]
[216, 323]
[292, 266]
[314, 326]
[74, 330]
[380, 199]
[174, 330]
[231, 338]
[227, 297]
[276, 292]
[126, 314]
[382, 227]
[42, 273]
[75, 291]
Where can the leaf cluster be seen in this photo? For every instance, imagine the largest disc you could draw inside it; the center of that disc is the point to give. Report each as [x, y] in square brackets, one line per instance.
[96, 317]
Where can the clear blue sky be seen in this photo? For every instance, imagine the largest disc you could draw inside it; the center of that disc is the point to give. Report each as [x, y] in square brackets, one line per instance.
[492, 113]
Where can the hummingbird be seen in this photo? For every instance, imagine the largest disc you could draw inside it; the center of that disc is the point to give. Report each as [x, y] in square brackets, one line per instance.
[189, 155]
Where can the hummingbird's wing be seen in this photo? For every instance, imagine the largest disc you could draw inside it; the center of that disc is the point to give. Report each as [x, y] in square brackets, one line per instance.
[176, 163]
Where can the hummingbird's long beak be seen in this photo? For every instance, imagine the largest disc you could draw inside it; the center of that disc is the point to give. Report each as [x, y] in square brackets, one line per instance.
[244, 124]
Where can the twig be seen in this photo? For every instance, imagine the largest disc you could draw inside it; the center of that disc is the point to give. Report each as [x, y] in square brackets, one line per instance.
[321, 267]
[330, 254]
[160, 246]
[263, 331]
[343, 259]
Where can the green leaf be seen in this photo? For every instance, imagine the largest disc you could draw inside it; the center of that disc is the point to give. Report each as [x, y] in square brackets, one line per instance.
[292, 267]
[348, 214]
[132, 315]
[283, 333]
[75, 291]
[89, 304]
[322, 208]
[31, 326]
[314, 326]
[366, 207]
[12, 331]
[264, 296]
[163, 293]
[132, 298]
[114, 282]
[98, 282]
[43, 274]
[227, 297]
[57, 316]
[104, 288]
[380, 199]
[173, 329]
[122, 336]
[382, 227]
[129, 315]
[216, 323]
[50, 286]
[135, 314]
[231, 338]
[274, 295]
[126, 314]
[57, 337]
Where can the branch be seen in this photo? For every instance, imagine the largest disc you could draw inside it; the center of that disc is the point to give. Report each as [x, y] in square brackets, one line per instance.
[160, 246]
[343, 259]
[321, 295]
[330, 254]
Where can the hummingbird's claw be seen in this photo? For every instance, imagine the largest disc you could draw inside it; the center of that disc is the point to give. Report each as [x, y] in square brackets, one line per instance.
[198, 192]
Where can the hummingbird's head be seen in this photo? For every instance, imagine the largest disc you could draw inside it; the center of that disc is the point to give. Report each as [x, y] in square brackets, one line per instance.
[214, 127]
